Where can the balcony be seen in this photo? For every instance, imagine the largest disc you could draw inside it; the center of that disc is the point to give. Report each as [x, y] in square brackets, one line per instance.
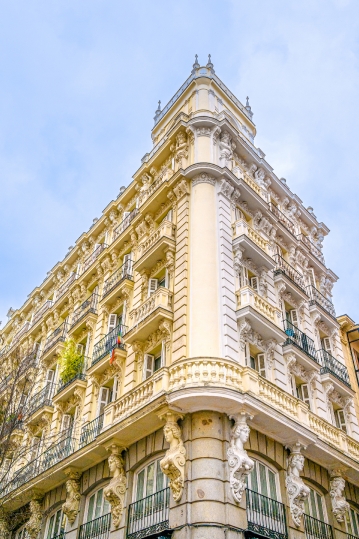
[110, 342]
[40, 401]
[149, 516]
[39, 314]
[153, 248]
[300, 340]
[291, 277]
[66, 388]
[316, 529]
[125, 223]
[97, 528]
[21, 332]
[123, 275]
[318, 300]
[334, 367]
[86, 311]
[265, 516]
[145, 319]
[313, 249]
[93, 256]
[255, 246]
[90, 431]
[56, 337]
[283, 219]
[65, 286]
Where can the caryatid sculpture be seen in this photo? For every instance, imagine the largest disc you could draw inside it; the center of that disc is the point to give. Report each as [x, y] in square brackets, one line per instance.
[339, 504]
[73, 496]
[115, 491]
[240, 464]
[297, 491]
[173, 463]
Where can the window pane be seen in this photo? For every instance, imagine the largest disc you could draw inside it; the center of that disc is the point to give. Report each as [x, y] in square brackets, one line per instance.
[272, 485]
[51, 527]
[150, 479]
[98, 508]
[253, 479]
[355, 522]
[313, 509]
[140, 484]
[320, 507]
[90, 508]
[57, 524]
[159, 477]
[263, 480]
[106, 507]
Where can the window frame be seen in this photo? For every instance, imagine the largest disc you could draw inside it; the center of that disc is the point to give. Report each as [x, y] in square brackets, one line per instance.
[137, 473]
[87, 503]
[256, 458]
[63, 519]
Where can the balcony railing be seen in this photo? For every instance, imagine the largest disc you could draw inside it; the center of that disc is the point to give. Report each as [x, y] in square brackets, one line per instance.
[47, 305]
[282, 218]
[79, 376]
[90, 259]
[149, 516]
[97, 528]
[316, 529]
[312, 248]
[122, 273]
[21, 332]
[284, 267]
[88, 306]
[4, 350]
[266, 516]
[44, 398]
[299, 339]
[91, 431]
[124, 224]
[331, 365]
[65, 286]
[322, 301]
[56, 336]
[108, 343]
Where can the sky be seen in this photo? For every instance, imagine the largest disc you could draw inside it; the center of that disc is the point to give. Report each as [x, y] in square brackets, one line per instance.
[79, 85]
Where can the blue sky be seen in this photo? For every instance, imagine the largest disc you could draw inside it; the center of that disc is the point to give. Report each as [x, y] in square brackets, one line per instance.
[80, 81]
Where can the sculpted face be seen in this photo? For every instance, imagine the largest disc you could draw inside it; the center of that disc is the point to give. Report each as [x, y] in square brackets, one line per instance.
[168, 435]
[243, 433]
[112, 464]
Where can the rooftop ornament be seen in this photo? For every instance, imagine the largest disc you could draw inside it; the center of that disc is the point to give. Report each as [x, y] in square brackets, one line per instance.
[158, 111]
[195, 65]
[209, 64]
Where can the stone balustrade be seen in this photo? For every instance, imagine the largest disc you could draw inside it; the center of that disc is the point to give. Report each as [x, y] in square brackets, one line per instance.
[162, 297]
[166, 229]
[248, 296]
[242, 227]
[199, 372]
[325, 430]
[278, 398]
[249, 181]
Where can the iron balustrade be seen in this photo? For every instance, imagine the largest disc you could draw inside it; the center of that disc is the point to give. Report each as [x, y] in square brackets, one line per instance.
[284, 267]
[21, 332]
[56, 336]
[149, 515]
[90, 431]
[124, 223]
[78, 376]
[97, 528]
[316, 529]
[301, 340]
[310, 245]
[108, 343]
[288, 224]
[44, 398]
[88, 306]
[60, 535]
[122, 273]
[65, 286]
[266, 516]
[28, 361]
[350, 536]
[332, 366]
[4, 350]
[90, 259]
[47, 305]
[318, 298]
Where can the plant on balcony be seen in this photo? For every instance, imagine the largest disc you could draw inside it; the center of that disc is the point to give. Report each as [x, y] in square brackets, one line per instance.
[70, 361]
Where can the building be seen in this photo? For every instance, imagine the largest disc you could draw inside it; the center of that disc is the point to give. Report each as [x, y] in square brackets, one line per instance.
[202, 389]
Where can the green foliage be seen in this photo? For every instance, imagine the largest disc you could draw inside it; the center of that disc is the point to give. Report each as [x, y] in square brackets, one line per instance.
[70, 361]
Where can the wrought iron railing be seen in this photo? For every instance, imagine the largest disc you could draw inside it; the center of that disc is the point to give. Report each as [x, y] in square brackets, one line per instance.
[312, 248]
[21, 332]
[122, 273]
[47, 305]
[331, 365]
[266, 516]
[322, 301]
[4, 350]
[350, 536]
[65, 286]
[79, 376]
[88, 306]
[90, 259]
[56, 336]
[44, 398]
[299, 339]
[149, 515]
[124, 223]
[108, 343]
[316, 529]
[284, 267]
[90, 431]
[288, 224]
[97, 528]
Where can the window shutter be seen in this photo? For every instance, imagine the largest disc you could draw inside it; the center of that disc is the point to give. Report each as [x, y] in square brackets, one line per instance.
[78, 269]
[114, 389]
[243, 277]
[66, 422]
[87, 347]
[148, 366]
[294, 317]
[96, 246]
[254, 283]
[340, 420]
[312, 277]
[103, 399]
[237, 214]
[152, 286]
[169, 216]
[50, 376]
[125, 214]
[112, 322]
[293, 386]
[261, 365]
[127, 265]
[305, 394]
[327, 345]
[167, 279]
[80, 349]
[163, 354]
[35, 444]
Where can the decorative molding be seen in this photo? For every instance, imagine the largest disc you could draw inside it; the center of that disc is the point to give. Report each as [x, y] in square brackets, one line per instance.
[240, 464]
[173, 463]
[115, 492]
[71, 507]
[297, 491]
[33, 525]
[203, 178]
[340, 506]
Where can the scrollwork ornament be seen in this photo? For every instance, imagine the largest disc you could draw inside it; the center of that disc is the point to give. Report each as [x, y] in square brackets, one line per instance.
[240, 464]
[173, 463]
[33, 525]
[115, 492]
[339, 504]
[297, 491]
[71, 507]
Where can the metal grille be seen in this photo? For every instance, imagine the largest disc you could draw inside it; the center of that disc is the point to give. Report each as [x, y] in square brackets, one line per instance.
[108, 343]
[266, 516]
[91, 431]
[333, 366]
[289, 271]
[122, 273]
[99, 528]
[318, 298]
[316, 529]
[149, 515]
[299, 339]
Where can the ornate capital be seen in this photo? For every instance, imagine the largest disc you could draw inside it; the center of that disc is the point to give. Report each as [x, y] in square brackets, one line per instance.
[240, 464]
[174, 461]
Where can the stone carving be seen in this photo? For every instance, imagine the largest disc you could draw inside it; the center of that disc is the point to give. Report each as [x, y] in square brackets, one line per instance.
[4, 524]
[173, 463]
[203, 178]
[33, 525]
[339, 504]
[297, 491]
[114, 493]
[226, 147]
[180, 148]
[240, 464]
[71, 507]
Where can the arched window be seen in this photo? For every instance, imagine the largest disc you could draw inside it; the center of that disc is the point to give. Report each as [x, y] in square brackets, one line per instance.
[56, 524]
[22, 533]
[149, 480]
[315, 505]
[264, 481]
[97, 506]
[352, 522]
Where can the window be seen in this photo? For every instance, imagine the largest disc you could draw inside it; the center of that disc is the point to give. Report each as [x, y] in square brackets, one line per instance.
[97, 506]
[264, 481]
[340, 419]
[153, 284]
[56, 525]
[22, 533]
[315, 506]
[103, 400]
[153, 362]
[311, 277]
[326, 345]
[257, 362]
[303, 393]
[149, 480]
[352, 522]
[127, 265]
[238, 214]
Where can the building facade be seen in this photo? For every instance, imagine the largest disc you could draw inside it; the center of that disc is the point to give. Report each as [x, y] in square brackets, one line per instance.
[188, 370]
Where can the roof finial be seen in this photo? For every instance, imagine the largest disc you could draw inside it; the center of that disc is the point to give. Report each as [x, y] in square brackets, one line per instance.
[209, 64]
[196, 64]
[157, 112]
[248, 107]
